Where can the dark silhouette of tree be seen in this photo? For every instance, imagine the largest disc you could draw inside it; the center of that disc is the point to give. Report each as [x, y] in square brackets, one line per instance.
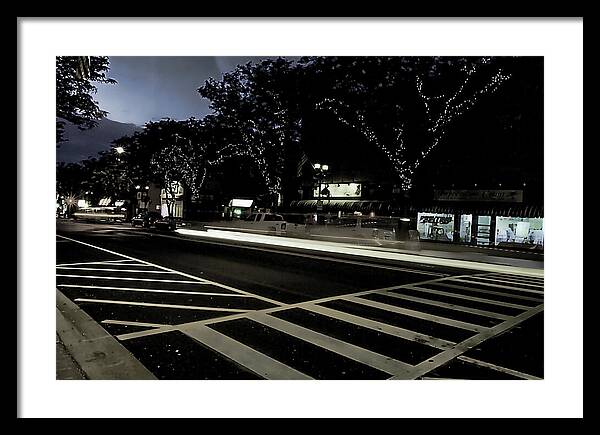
[257, 110]
[74, 91]
[403, 106]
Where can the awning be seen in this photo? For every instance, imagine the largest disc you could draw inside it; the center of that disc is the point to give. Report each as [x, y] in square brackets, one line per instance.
[513, 210]
[348, 205]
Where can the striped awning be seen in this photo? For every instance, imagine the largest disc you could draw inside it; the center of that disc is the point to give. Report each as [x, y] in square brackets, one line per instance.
[514, 210]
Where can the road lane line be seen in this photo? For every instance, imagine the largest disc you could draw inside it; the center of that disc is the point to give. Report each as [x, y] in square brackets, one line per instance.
[460, 308]
[497, 368]
[444, 357]
[243, 355]
[271, 301]
[364, 356]
[472, 281]
[131, 279]
[129, 323]
[417, 314]
[133, 289]
[114, 270]
[468, 298]
[150, 304]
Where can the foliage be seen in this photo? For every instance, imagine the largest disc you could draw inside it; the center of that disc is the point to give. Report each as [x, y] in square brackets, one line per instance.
[74, 91]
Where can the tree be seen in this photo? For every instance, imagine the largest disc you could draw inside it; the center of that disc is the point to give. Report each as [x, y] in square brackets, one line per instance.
[257, 110]
[75, 89]
[404, 106]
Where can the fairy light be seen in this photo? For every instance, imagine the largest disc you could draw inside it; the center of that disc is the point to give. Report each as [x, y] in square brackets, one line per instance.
[452, 106]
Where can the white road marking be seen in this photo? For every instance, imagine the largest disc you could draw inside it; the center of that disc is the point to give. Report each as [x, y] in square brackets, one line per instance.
[518, 278]
[448, 284]
[510, 287]
[416, 314]
[497, 368]
[245, 356]
[129, 323]
[92, 263]
[114, 270]
[515, 282]
[449, 306]
[356, 353]
[443, 357]
[149, 304]
[131, 279]
[395, 331]
[200, 280]
[135, 289]
[468, 298]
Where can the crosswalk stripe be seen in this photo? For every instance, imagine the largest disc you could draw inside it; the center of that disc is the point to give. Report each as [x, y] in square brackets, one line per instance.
[149, 304]
[468, 298]
[472, 281]
[489, 292]
[245, 356]
[114, 270]
[364, 356]
[449, 306]
[133, 289]
[417, 314]
[129, 323]
[396, 331]
[485, 278]
[132, 279]
[497, 368]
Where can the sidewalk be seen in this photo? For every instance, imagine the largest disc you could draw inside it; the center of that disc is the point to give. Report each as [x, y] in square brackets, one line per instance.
[66, 367]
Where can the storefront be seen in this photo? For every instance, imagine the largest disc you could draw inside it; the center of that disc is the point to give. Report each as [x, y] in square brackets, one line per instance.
[519, 230]
[173, 200]
[514, 226]
[436, 226]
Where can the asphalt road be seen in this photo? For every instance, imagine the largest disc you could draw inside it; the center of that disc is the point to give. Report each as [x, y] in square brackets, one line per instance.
[192, 309]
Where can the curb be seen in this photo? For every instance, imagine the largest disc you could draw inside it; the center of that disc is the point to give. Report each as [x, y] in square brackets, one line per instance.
[98, 354]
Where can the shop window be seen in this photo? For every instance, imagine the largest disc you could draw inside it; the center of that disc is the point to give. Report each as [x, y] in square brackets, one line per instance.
[519, 230]
[435, 226]
[483, 230]
[466, 221]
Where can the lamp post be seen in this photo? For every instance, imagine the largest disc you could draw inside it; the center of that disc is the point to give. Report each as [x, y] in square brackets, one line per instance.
[320, 171]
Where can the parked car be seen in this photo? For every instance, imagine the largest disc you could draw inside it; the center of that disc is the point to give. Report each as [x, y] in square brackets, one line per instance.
[145, 219]
[165, 223]
[263, 222]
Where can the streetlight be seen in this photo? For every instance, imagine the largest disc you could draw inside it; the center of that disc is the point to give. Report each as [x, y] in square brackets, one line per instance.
[319, 175]
[120, 150]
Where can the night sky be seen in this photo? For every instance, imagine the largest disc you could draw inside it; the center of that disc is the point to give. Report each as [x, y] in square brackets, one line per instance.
[150, 88]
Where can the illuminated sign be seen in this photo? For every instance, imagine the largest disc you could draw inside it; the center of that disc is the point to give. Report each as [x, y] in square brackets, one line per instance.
[241, 203]
[339, 190]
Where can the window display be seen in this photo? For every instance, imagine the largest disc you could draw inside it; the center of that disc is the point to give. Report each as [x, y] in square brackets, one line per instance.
[435, 226]
[519, 230]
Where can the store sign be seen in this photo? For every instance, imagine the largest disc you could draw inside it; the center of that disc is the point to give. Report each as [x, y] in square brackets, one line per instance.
[479, 195]
[339, 190]
[435, 219]
[241, 203]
